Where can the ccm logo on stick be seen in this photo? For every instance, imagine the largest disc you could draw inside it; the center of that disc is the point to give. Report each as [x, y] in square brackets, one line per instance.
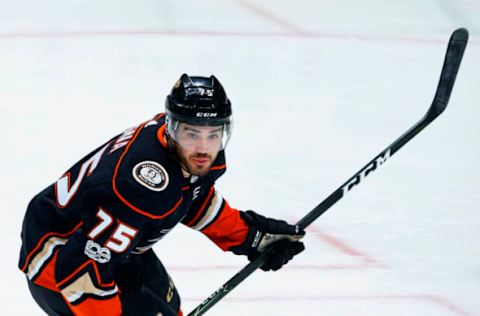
[366, 171]
[206, 114]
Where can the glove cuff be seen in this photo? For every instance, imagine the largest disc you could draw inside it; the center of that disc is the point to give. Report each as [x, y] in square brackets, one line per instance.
[249, 246]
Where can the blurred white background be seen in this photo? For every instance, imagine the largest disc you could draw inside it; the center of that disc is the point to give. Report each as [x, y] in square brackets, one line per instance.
[318, 88]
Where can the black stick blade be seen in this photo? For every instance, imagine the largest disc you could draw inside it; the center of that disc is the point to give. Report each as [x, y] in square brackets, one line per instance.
[453, 58]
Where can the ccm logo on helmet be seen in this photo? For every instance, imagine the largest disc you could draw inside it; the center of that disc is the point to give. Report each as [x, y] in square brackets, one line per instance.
[199, 114]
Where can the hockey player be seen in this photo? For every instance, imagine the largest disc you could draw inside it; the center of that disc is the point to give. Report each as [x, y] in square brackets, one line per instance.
[88, 237]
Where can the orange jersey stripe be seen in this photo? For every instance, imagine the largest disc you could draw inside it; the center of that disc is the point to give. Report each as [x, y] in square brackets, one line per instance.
[161, 135]
[93, 307]
[42, 240]
[97, 275]
[46, 278]
[228, 230]
[218, 167]
[117, 193]
[207, 199]
[159, 116]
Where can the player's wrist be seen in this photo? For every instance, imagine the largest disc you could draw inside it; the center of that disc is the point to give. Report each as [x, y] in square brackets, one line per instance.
[268, 232]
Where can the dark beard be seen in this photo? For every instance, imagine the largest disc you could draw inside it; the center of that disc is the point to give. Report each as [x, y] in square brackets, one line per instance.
[183, 161]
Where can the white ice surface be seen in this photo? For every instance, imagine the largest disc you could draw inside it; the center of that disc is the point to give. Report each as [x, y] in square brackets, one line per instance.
[319, 88]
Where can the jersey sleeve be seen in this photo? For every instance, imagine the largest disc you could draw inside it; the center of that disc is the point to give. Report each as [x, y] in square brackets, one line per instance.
[213, 216]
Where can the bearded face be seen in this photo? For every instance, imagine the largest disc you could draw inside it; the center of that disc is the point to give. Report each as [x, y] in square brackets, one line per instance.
[197, 147]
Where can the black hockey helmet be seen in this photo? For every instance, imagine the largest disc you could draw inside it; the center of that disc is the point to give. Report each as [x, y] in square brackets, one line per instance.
[198, 101]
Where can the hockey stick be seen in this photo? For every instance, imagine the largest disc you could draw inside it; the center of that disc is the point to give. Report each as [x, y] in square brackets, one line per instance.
[453, 58]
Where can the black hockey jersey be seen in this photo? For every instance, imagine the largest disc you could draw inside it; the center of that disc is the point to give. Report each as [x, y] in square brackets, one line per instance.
[115, 204]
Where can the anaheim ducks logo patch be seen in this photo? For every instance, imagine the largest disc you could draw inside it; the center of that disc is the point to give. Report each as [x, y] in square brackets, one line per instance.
[151, 175]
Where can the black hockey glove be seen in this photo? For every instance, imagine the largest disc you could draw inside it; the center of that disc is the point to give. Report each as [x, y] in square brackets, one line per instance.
[267, 232]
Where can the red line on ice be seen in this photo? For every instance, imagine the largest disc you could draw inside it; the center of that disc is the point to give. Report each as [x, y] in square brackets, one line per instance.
[119, 33]
[343, 247]
[266, 15]
[288, 267]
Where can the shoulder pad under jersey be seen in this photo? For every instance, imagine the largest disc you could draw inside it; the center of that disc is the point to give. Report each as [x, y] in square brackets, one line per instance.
[146, 178]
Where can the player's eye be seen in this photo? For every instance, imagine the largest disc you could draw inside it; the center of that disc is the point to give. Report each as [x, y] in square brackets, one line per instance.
[192, 136]
[213, 136]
